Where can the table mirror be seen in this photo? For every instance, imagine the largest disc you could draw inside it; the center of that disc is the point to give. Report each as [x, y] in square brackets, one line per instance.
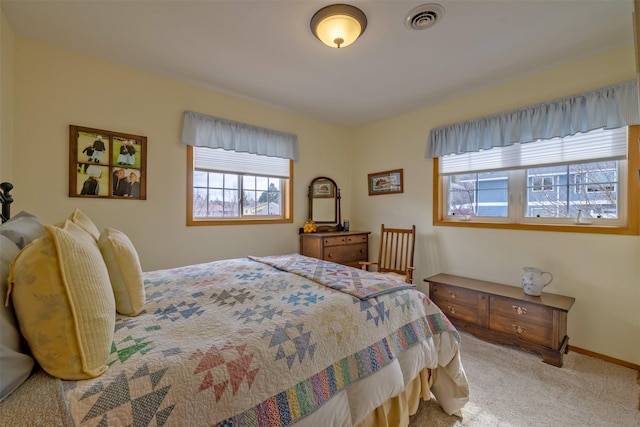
[324, 204]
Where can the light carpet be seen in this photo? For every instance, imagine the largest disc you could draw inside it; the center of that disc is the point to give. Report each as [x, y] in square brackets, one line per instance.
[512, 387]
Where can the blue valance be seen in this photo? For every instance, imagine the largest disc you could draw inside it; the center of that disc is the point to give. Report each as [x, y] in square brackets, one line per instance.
[201, 130]
[611, 107]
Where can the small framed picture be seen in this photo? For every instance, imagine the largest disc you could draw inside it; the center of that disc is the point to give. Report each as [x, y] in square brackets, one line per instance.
[322, 189]
[107, 164]
[386, 182]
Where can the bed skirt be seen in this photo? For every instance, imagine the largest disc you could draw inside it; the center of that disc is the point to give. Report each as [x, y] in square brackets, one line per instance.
[395, 412]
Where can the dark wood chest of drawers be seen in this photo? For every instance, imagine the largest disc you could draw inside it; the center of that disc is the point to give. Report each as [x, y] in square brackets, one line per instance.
[343, 247]
[505, 314]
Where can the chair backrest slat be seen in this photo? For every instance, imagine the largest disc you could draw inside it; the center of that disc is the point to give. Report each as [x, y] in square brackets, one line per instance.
[396, 249]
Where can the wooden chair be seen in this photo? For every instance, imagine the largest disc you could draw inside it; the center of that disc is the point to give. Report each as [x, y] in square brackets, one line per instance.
[395, 257]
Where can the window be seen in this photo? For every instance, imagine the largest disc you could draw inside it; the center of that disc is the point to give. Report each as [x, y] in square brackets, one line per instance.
[478, 194]
[590, 188]
[541, 183]
[228, 187]
[237, 173]
[537, 186]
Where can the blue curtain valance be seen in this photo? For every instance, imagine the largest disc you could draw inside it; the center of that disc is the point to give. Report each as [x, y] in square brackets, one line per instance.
[201, 130]
[611, 107]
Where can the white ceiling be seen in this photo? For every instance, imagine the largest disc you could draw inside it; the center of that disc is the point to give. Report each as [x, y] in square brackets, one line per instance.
[263, 50]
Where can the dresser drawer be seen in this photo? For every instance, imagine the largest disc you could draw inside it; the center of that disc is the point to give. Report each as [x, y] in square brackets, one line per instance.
[466, 305]
[522, 310]
[530, 322]
[346, 248]
[346, 253]
[360, 238]
[455, 311]
[334, 241]
[345, 240]
[455, 295]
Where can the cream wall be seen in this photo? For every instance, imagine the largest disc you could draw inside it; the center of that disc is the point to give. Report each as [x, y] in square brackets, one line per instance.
[601, 271]
[6, 96]
[54, 88]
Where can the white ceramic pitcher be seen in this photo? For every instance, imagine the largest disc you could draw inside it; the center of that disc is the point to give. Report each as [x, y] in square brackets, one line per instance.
[533, 281]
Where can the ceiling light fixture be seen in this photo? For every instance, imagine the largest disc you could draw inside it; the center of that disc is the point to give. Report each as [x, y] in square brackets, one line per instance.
[338, 25]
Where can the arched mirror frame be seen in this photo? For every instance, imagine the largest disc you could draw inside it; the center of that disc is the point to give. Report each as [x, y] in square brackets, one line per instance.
[331, 225]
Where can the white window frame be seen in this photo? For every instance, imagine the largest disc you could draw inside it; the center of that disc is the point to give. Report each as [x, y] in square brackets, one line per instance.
[286, 215]
[621, 200]
[517, 203]
[628, 196]
[537, 188]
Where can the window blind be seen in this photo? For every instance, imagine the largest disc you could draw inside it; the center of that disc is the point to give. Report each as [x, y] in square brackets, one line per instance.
[597, 145]
[217, 159]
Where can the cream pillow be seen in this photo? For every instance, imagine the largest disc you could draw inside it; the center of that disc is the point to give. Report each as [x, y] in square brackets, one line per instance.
[124, 269]
[79, 218]
[64, 303]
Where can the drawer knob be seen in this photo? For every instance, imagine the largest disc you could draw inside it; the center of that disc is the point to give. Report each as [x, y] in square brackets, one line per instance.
[451, 310]
[329, 255]
[452, 294]
[519, 329]
[519, 310]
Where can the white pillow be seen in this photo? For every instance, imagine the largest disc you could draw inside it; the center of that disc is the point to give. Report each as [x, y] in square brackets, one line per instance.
[15, 364]
[124, 269]
[22, 229]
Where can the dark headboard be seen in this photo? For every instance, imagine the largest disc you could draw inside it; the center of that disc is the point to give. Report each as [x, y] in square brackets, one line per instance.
[6, 199]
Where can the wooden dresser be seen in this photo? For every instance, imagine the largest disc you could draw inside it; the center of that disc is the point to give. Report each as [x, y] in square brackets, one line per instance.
[505, 314]
[343, 247]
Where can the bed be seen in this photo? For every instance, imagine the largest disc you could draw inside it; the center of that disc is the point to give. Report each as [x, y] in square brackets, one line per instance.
[255, 341]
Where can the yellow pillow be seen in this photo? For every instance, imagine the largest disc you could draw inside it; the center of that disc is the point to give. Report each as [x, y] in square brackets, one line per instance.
[124, 269]
[79, 218]
[64, 303]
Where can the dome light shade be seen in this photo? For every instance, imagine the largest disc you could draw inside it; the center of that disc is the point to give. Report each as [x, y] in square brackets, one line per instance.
[338, 25]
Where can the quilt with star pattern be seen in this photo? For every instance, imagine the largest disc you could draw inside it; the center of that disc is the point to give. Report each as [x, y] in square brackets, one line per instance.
[242, 343]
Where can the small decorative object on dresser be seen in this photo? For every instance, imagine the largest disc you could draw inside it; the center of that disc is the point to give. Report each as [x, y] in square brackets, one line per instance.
[343, 247]
[309, 226]
[532, 280]
[504, 314]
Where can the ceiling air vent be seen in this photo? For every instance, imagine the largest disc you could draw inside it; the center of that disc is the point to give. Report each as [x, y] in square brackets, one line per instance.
[423, 17]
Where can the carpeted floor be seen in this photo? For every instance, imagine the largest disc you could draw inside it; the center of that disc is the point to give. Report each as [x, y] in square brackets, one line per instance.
[511, 387]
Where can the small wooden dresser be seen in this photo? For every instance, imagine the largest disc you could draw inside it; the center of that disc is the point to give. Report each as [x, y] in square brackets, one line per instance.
[505, 314]
[343, 247]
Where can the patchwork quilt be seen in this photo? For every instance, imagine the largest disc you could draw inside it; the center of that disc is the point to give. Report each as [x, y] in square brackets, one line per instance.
[352, 281]
[240, 342]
